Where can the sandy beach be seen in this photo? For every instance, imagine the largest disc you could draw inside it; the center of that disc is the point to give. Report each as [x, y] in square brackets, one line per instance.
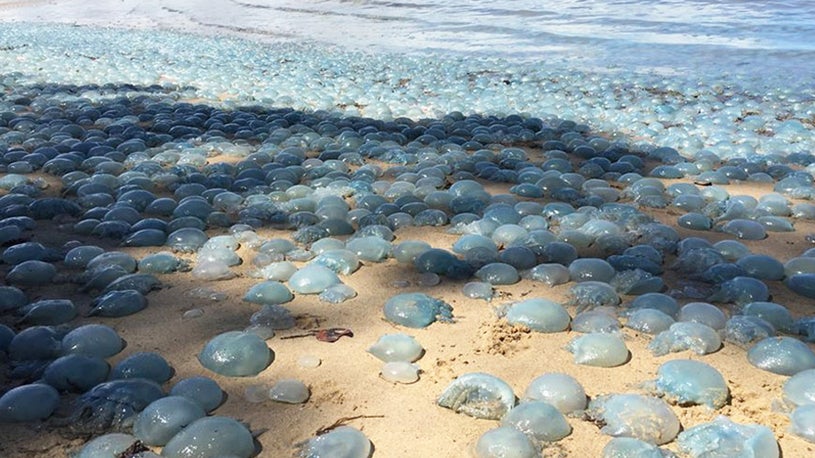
[401, 420]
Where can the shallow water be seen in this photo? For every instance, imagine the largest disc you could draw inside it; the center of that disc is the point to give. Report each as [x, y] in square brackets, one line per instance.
[667, 35]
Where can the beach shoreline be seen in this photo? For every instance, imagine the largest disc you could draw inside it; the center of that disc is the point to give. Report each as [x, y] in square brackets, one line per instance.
[400, 420]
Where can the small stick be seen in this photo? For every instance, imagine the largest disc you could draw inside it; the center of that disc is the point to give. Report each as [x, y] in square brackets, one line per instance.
[342, 421]
[295, 336]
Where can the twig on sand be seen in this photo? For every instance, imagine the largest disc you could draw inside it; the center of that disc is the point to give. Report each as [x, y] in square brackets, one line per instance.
[324, 335]
[342, 422]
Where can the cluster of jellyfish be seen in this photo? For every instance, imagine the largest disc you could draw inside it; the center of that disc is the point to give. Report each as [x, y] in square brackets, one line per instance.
[141, 172]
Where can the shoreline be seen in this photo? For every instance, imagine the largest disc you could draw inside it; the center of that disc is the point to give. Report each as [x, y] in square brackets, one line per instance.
[688, 113]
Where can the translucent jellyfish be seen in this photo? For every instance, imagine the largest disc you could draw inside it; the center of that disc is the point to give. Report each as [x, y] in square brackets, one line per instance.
[212, 270]
[802, 422]
[560, 390]
[633, 415]
[343, 262]
[696, 337]
[591, 294]
[48, 312]
[442, 262]
[540, 315]
[775, 223]
[697, 260]
[26, 251]
[113, 258]
[551, 274]
[629, 262]
[498, 273]
[146, 365]
[370, 248]
[400, 372]
[800, 265]
[745, 229]
[396, 347]
[416, 310]
[802, 284]
[407, 251]
[313, 279]
[695, 221]
[557, 252]
[597, 320]
[688, 382]
[658, 301]
[113, 405]
[27, 403]
[187, 240]
[273, 316]
[211, 437]
[107, 445]
[143, 283]
[722, 438]
[100, 278]
[236, 354]
[35, 343]
[781, 355]
[478, 395]
[289, 391]
[93, 340]
[145, 237]
[345, 441]
[649, 321]
[162, 262]
[704, 313]
[77, 373]
[336, 294]
[268, 293]
[746, 329]
[775, 314]
[761, 266]
[31, 273]
[164, 418]
[741, 290]
[202, 390]
[478, 290]
[591, 269]
[469, 241]
[720, 273]
[505, 442]
[539, 420]
[117, 304]
[11, 298]
[599, 350]
[629, 447]
[6, 335]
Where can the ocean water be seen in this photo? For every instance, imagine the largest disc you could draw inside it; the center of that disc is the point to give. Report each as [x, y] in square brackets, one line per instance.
[771, 37]
[664, 35]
